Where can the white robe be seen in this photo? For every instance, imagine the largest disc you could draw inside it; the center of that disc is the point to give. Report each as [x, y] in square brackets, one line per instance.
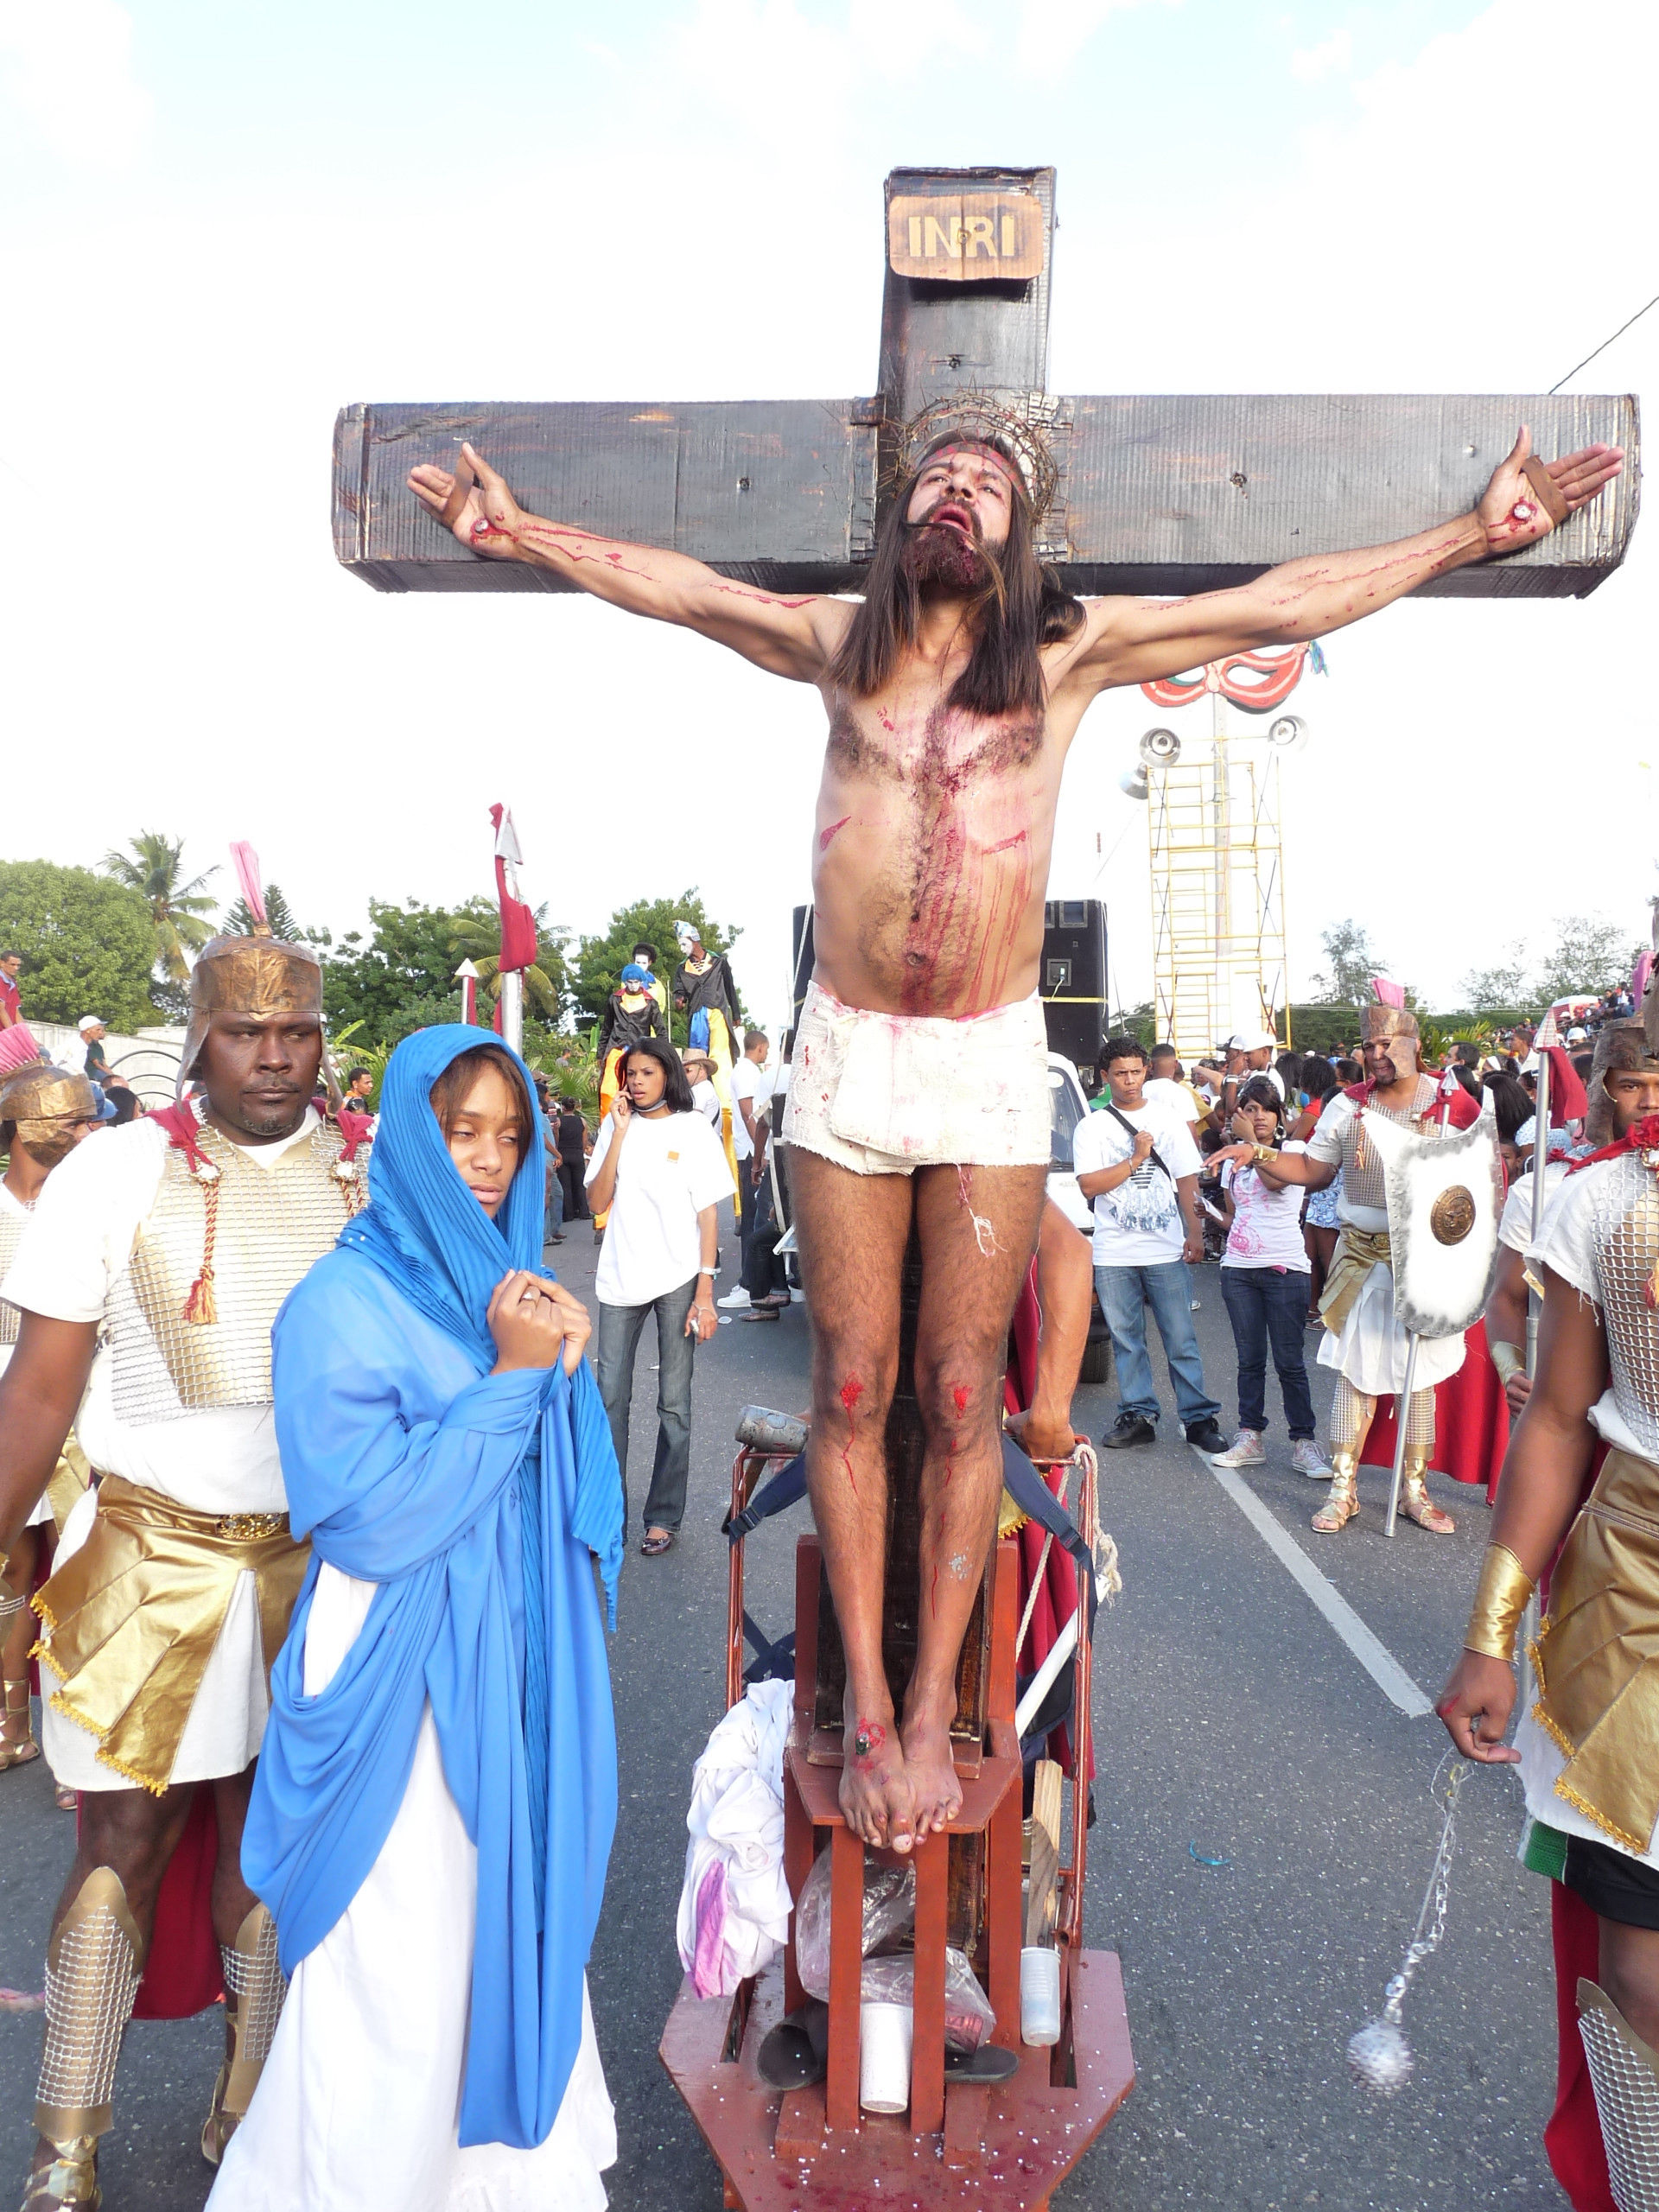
[359, 2103]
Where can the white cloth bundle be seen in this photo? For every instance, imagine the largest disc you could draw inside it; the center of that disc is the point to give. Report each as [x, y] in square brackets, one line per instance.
[735, 1905]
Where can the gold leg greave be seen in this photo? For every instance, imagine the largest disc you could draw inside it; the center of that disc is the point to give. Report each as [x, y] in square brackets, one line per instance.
[1420, 1425]
[1624, 2075]
[1342, 1499]
[92, 1981]
[256, 1987]
[1415, 1500]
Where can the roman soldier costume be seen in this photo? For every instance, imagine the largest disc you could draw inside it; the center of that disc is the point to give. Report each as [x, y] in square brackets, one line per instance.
[175, 1578]
[1363, 1339]
[44, 1107]
[1588, 1761]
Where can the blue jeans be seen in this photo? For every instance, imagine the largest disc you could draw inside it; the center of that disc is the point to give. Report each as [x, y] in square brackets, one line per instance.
[553, 1213]
[1125, 1295]
[618, 1340]
[1268, 1305]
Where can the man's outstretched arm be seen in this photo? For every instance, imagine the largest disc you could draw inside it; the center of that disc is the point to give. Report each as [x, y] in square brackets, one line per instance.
[787, 636]
[1135, 641]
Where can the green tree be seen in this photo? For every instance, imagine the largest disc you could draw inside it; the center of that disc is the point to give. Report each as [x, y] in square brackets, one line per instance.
[1588, 956]
[597, 968]
[88, 944]
[238, 919]
[1352, 960]
[1502, 984]
[151, 866]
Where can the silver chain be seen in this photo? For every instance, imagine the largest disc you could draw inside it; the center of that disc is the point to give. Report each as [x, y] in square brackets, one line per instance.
[1433, 1915]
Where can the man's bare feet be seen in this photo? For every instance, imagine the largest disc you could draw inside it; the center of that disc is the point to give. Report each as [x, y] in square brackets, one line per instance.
[926, 1735]
[1042, 1437]
[876, 1799]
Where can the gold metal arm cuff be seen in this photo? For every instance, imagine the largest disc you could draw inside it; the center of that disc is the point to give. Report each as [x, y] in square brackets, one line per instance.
[1501, 1597]
[1267, 1151]
[1507, 1359]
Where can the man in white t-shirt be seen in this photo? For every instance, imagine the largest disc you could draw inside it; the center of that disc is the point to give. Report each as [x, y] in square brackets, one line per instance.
[1585, 1748]
[750, 1089]
[173, 1242]
[1165, 1085]
[1138, 1164]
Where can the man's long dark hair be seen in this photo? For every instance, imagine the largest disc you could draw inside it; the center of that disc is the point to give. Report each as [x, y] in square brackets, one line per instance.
[1020, 607]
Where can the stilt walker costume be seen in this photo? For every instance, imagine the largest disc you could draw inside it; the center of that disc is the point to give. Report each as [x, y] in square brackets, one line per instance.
[704, 986]
[1588, 1759]
[632, 1012]
[175, 1578]
[1364, 1340]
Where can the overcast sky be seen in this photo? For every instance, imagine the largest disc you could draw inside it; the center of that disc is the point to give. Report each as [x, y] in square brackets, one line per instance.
[223, 218]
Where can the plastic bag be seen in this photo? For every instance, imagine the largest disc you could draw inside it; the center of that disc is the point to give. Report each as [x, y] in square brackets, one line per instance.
[889, 1913]
[968, 2015]
[889, 1916]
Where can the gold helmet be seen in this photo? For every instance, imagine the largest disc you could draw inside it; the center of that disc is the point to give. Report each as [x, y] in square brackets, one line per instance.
[1396, 1027]
[259, 975]
[47, 1105]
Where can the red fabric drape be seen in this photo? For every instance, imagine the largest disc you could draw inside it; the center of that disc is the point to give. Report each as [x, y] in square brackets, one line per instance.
[1572, 2134]
[1471, 1421]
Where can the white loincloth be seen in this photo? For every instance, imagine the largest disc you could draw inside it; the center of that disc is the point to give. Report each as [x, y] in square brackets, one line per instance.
[885, 1093]
[356, 2107]
[1372, 1348]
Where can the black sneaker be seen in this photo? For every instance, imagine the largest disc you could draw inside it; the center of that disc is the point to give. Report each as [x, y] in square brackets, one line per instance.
[1131, 1428]
[1206, 1436]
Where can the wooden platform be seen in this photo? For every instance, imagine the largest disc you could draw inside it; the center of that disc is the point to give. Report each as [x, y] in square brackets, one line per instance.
[1019, 2139]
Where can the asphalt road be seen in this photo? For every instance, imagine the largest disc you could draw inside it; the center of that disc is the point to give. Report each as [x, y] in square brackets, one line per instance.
[1231, 1725]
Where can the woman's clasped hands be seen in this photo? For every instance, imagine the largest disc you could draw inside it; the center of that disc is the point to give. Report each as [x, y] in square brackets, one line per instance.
[536, 1321]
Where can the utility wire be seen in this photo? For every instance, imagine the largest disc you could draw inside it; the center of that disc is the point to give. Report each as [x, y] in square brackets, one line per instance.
[1605, 343]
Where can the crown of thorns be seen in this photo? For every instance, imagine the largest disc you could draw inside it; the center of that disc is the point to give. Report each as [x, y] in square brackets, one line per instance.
[1014, 427]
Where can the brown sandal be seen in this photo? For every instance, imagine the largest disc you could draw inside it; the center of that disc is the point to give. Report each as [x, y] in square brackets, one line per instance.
[655, 1542]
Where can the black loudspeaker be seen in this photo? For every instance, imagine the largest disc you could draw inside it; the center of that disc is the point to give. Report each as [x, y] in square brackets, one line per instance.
[1073, 983]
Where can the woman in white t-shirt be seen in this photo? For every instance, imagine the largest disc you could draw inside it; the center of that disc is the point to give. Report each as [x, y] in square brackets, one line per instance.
[1264, 1287]
[661, 1171]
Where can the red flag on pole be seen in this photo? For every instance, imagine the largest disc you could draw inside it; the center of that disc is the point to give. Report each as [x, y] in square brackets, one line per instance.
[517, 923]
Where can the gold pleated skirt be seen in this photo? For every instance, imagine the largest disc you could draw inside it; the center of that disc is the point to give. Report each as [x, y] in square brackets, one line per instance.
[1597, 1655]
[131, 1619]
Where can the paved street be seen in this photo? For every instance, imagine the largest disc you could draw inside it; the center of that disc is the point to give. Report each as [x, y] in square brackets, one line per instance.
[1232, 1725]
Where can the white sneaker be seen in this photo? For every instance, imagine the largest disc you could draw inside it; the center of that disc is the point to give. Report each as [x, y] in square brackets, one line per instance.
[735, 1300]
[1248, 1451]
[1307, 1460]
[797, 1297]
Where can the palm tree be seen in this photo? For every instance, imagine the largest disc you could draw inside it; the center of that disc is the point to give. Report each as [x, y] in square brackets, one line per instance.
[150, 864]
[238, 919]
[472, 940]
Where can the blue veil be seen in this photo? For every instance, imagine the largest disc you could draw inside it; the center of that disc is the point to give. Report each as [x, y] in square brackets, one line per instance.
[477, 1506]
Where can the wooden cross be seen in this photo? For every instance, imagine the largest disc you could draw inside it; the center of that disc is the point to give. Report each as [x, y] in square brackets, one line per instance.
[1156, 494]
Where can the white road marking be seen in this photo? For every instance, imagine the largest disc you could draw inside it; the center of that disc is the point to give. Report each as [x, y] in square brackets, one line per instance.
[1378, 1662]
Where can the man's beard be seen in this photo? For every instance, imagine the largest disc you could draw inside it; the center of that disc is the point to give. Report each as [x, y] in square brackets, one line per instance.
[939, 557]
[260, 1119]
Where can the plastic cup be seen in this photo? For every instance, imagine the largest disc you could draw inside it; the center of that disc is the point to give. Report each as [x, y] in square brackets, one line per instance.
[1040, 1994]
[884, 2037]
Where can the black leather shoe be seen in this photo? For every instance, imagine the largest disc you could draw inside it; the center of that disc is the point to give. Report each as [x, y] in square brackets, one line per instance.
[1132, 1428]
[1205, 1437]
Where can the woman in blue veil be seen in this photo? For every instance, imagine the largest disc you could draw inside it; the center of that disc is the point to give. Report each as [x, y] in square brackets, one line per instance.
[436, 1792]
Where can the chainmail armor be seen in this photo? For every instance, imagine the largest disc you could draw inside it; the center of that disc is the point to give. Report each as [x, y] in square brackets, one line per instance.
[1625, 1248]
[92, 1982]
[254, 1977]
[1627, 2102]
[12, 1235]
[273, 1224]
[1367, 1184]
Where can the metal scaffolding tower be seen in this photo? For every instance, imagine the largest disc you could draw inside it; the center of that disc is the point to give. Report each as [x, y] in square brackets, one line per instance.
[1218, 862]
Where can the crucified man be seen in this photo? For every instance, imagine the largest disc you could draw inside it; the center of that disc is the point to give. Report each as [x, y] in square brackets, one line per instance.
[952, 690]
